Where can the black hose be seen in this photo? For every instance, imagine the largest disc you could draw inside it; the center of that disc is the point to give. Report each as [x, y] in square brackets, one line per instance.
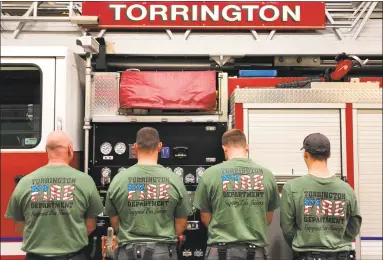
[298, 83]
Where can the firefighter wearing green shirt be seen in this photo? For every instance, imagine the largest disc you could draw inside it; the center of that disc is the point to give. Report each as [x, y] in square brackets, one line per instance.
[148, 205]
[237, 199]
[319, 212]
[55, 207]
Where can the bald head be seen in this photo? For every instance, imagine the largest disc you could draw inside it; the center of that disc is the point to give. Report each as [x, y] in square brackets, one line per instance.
[59, 147]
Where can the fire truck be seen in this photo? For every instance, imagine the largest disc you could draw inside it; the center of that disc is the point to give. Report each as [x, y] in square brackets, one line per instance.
[276, 70]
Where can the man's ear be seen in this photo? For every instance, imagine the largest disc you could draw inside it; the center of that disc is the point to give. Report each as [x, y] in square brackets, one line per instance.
[224, 148]
[135, 147]
[247, 148]
[159, 146]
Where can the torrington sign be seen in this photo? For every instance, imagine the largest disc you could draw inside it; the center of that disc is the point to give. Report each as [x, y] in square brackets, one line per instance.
[208, 15]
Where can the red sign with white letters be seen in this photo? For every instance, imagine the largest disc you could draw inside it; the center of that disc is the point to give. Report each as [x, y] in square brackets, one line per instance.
[208, 15]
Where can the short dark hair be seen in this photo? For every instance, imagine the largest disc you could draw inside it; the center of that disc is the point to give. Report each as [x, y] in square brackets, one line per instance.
[234, 138]
[319, 157]
[147, 139]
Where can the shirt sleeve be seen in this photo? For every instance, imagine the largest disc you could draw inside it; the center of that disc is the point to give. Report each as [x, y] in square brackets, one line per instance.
[202, 198]
[354, 221]
[95, 206]
[184, 207]
[14, 209]
[288, 215]
[275, 198]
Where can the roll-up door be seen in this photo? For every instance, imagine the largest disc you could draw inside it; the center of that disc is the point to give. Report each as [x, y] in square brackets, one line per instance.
[369, 138]
[276, 137]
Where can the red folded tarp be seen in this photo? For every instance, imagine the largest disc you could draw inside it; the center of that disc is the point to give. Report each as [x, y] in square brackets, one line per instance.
[176, 90]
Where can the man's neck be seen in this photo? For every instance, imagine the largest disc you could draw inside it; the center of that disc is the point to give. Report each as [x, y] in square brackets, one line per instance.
[57, 162]
[147, 158]
[237, 155]
[320, 170]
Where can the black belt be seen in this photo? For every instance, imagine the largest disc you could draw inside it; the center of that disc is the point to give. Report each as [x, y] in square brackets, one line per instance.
[343, 255]
[134, 250]
[223, 247]
[61, 257]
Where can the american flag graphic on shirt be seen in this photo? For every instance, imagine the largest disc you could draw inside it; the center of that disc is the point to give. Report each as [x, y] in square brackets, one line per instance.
[226, 178]
[55, 192]
[35, 191]
[45, 192]
[151, 192]
[132, 188]
[164, 195]
[68, 192]
[236, 182]
[308, 205]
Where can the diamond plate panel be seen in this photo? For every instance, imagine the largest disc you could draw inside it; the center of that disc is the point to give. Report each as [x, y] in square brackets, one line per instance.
[307, 96]
[105, 94]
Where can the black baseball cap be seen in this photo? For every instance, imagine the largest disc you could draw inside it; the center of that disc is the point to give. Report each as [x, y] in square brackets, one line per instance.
[317, 144]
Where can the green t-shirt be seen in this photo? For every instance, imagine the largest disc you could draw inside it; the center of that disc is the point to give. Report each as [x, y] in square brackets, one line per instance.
[319, 214]
[238, 193]
[54, 202]
[147, 199]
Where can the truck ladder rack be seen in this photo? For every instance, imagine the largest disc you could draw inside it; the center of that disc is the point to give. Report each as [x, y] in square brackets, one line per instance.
[357, 23]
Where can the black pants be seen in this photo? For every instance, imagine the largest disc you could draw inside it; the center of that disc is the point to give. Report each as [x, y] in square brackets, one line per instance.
[80, 256]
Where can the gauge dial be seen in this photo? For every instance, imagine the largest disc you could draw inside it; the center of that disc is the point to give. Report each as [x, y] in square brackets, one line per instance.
[105, 172]
[120, 169]
[179, 171]
[200, 171]
[120, 148]
[106, 148]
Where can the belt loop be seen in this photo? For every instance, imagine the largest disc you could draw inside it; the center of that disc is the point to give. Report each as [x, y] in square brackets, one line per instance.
[222, 251]
[130, 252]
[149, 251]
[250, 254]
[138, 251]
[170, 249]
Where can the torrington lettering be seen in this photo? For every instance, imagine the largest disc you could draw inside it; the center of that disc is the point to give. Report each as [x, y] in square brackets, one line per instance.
[205, 15]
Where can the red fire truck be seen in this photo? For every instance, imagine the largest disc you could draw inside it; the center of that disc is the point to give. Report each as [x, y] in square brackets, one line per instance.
[101, 70]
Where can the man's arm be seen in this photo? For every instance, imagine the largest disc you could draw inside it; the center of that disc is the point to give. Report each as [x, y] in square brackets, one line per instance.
[95, 208]
[274, 200]
[181, 224]
[206, 218]
[183, 210]
[288, 215]
[111, 211]
[202, 202]
[15, 211]
[355, 220]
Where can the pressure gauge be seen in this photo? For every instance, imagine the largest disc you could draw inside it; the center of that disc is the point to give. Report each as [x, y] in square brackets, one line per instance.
[105, 172]
[106, 148]
[120, 169]
[179, 171]
[170, 169]
[199, 171]
[120, 148]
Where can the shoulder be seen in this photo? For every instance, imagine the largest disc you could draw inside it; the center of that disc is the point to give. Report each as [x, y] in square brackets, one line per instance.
[214, 171]
[345, 187]
[293, 184]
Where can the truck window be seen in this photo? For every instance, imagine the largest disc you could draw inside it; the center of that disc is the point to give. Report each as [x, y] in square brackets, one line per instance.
[20, 106]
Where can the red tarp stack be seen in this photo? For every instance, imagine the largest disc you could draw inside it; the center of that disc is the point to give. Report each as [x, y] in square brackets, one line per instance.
[176, 90]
